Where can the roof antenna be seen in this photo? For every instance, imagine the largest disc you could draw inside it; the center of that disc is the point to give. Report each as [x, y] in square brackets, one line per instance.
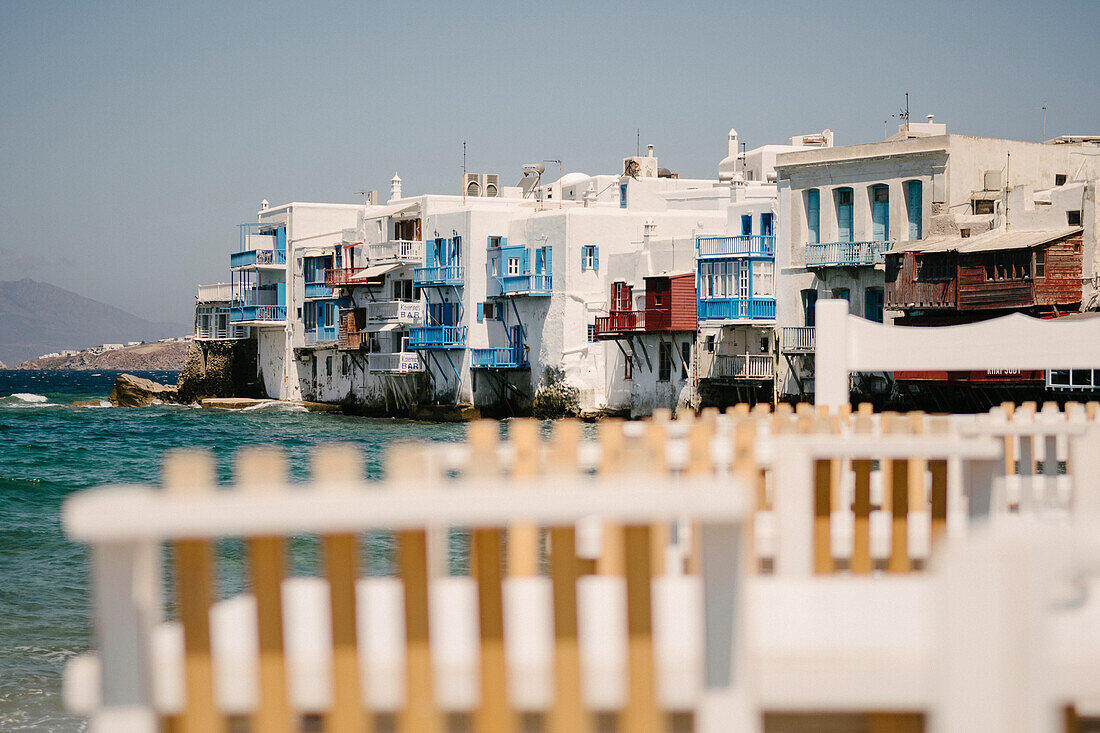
[1044, 108]
[364, 195]
[463, 172]
[638, 143]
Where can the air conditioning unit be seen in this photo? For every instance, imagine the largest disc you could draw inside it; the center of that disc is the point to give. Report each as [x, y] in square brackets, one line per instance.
[490, 187]
[481, 185]
[471, 184]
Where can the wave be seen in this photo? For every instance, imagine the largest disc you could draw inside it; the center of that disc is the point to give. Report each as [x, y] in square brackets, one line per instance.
[275, 407]
[26, 399]
[102, 404]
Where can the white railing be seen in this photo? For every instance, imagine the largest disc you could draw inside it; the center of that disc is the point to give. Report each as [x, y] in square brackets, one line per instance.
[744, 366]
[798, 339]
[396, 250]
[216, 293]
[409, 312]
[399, 362]
[998, 636]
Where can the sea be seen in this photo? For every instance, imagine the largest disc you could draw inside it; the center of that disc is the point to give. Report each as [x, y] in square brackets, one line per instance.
[50, 449]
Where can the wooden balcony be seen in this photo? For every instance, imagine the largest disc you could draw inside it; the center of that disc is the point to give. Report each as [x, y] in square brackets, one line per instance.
[619, 324]
[799, 339]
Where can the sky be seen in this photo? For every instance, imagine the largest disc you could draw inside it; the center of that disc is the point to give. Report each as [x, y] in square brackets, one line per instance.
[134, 137]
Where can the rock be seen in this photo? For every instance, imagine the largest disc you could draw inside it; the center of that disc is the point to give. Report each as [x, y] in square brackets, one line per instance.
[131, 391]
[88, 403]
[219, 369]
[233, 403]
[445, 413]
[555, 397]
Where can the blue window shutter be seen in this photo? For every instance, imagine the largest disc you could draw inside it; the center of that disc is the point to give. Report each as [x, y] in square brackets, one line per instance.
[280, 239]
[480, 312]
[596, 258]
[538, 261]
[430, 255]
[504, 241]
[526, 262]
[548, 260]
[584, 258]
[622, 196]
[813, 215]
[915, 204]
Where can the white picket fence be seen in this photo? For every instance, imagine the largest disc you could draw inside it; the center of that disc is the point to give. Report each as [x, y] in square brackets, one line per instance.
[707, 570]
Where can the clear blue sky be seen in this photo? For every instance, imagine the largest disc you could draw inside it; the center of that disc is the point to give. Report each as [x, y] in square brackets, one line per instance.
[135, 136]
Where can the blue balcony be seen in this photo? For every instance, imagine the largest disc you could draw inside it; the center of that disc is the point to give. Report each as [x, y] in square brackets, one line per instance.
[318, 290]
[437, 337]
[258, 257]
[526, 285]
[439, 275]
[736, 309]
[247, 313]
[846, 254]
[321, 335]
[509, 357]
[747, 245]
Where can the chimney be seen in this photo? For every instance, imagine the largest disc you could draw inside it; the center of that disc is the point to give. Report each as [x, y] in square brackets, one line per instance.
[395, 187]
[650, 149]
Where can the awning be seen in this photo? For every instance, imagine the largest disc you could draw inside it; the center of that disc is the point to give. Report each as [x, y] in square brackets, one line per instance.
[994, 241]
[373, 272]
[384, 328]
[375, 212]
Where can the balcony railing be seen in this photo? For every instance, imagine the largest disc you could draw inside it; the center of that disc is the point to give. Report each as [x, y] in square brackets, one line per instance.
[526, 284]
[341, 276]
[396, 250]
[509, 357]
[321, 335]
[798, 339]
[437, 337]
[217, 293]
[207, 332]
[736, 309]
[400, 362]
[318, 290]
[743, 366]
[618, 323]
[267, 313]
[439, 275]
[258, 257]
[409, 312]
[846, 254]
[746, 245]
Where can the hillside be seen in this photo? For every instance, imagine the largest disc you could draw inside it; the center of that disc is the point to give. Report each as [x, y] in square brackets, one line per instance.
[38, 318]
[169, 356]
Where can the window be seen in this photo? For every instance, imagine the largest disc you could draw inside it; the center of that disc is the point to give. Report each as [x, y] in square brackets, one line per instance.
[964, 233]
[494, 241]
[809, 303]
[766, 224]
[844, 214]
[710, 344]
[1040, 263]
[934, 267]
[873, 299]
[763, 344]
[842, 294]
[328, 365]
[495, 265]
[1008, 266]
[658, 298]
[880, 213]
[982, 206]
[1073, 218]
[685, 359]
[513, 265]
[591, 333]
[314, 368]
[489, 309]
[664, 362]
[344, 365]
[913, 204]
[813, 216]
[622, 196]
[746, 224]
[590, 257]
[762, 279]
[628, 366]
[1060, 179]
[621, 297]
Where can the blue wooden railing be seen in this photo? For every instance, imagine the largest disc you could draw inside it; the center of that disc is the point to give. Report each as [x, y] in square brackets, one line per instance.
[525, 284]
[239, 313]
[318, 290]
[747, 245]
[508, 357]
[437, 337]
[845, 254]
[324, 333]
[257, 257]
[733, 309]
[439, 275]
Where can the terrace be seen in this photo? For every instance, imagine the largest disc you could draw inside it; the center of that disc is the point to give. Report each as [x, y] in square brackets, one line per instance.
[396, 251]
[846, 254]
[798, 339]
[736, 309]
[526, 284]
[508, 357]
[437, 337]
[746, 245]
[439, 275]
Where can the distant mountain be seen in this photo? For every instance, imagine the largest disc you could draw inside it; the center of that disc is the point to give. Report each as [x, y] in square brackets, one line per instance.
[38, 318]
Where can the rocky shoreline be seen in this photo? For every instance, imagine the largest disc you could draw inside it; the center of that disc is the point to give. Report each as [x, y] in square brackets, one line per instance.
[170, 356]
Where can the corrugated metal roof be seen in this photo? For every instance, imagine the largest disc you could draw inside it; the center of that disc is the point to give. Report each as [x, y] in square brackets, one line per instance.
[992, 241]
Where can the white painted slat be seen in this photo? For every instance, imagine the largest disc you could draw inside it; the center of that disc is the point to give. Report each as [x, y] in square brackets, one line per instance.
[453, 619]
[235, 646]
[380, 627]
[601, 617]
[678, 640]
[529, 642]
[307, 640]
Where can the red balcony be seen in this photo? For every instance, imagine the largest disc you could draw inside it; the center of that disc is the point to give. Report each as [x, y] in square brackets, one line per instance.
[619, 323]
[352, 337]
[342, 276]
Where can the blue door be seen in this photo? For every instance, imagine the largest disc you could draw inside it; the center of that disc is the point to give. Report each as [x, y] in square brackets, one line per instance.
[880, 213]
[915, 202]
[809, 307]
[872, 304]
[746, 224]
[844, 214]
[766, 224]
[517, 344]
[813, 216]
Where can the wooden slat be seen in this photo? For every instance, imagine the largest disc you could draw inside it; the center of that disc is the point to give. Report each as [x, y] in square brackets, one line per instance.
[193, 472]
[421, 714]
[938, 469]
[523, 536]
[895, 499]
[698, 466]
[611, 561]
[264, 469]
[567, 713]
[486, 565]
[338, 464]
[654, 462]
[824, 490]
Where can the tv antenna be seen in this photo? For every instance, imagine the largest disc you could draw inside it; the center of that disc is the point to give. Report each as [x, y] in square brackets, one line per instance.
[903, 113]
[463, 172]
[1044, 108]
[364, 195]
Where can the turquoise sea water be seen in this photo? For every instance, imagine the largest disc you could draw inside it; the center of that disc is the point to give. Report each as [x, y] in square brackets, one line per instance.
[49, 449]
